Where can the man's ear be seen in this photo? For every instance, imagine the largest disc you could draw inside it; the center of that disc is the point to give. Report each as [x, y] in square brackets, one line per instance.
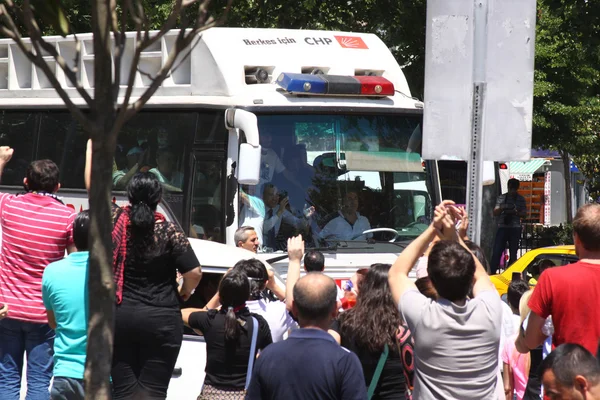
[294, 309]
[57, 188]
[25, 182]
[335, 311]
[581, 384]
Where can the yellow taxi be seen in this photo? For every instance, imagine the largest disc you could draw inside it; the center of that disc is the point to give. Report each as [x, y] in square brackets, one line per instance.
[528, 266]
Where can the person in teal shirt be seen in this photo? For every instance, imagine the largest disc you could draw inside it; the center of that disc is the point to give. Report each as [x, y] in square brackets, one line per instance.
[65, 295]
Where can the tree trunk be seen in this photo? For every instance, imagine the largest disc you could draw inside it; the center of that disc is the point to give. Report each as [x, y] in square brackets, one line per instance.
[101, 291]
[568, 190]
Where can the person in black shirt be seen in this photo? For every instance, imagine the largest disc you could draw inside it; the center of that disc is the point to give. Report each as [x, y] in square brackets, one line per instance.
[309, 365]
[147, 253]
[228, 335]
[372, 324]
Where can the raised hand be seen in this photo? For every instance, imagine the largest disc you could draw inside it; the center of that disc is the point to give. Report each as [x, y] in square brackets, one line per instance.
[295, 248]
[6, 154]
[464, 223]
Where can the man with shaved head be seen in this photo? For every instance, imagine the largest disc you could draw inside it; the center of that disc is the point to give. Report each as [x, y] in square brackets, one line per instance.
[567, 293]
[334, 373]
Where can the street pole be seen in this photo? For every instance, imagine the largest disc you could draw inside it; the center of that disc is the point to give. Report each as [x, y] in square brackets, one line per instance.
[475, 161]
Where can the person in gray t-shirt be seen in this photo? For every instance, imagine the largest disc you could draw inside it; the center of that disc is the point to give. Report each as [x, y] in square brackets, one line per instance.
[456, 338]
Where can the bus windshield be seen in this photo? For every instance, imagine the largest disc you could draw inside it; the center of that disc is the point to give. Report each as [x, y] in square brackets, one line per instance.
[331, 177]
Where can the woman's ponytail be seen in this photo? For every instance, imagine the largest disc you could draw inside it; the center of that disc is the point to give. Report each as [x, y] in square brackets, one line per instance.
[142, 217]
[144, 192]
[232, 326]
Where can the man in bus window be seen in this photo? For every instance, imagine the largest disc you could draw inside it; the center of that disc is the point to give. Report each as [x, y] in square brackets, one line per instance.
[252, 212]
[349, 224]
[165, 170]
[278, 211]
[135, 161]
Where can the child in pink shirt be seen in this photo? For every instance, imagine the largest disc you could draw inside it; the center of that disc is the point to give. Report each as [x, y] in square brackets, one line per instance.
[516, 370]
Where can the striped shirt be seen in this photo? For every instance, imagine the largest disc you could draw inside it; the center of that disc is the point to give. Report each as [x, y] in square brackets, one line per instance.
[36, 231]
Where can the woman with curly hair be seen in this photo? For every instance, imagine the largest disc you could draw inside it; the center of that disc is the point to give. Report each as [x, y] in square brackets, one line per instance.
[374, 327]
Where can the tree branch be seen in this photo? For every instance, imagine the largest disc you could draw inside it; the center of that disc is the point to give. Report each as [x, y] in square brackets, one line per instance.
[12, 32]
[167, 26]
[120, 118]
[120, 39]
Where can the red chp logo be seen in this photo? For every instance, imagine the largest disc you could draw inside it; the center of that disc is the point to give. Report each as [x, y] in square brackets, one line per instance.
[351, 42]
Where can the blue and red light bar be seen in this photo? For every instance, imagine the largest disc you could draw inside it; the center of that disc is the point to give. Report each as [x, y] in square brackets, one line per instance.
[333, 85]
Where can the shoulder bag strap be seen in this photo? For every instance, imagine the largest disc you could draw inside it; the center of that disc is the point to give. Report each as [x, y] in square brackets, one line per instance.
[378, 370]
[254, 324]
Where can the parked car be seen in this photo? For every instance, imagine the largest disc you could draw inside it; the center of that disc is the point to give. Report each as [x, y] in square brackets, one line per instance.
[530, 265]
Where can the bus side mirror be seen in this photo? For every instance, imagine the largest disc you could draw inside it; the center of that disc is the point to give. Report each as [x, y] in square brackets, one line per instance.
[249, 165]
[248, 171]
[489, 173]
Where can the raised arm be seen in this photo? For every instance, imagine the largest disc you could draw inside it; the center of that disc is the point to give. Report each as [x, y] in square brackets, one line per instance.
[482, 280]
[398, 275]
[295, 254]
[274, 287]
[87, 175]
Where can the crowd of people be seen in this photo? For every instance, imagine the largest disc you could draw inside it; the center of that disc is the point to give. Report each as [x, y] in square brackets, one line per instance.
[446, 336]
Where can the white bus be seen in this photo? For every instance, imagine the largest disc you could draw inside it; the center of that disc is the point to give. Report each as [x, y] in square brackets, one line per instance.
[356, 129]
[316, 114]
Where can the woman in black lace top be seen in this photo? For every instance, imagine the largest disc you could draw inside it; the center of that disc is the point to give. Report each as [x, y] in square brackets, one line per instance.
[147, 253]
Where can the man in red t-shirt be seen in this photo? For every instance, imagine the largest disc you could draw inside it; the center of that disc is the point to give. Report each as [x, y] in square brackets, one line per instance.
[569, 293]
[36, 230]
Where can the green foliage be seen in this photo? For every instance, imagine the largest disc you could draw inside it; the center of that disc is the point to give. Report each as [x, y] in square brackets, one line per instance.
[401, 25]
[567, 82]
[53, 14]
[554, 235]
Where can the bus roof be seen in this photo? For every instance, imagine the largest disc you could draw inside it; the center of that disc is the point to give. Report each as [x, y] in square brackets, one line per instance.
[220, 70]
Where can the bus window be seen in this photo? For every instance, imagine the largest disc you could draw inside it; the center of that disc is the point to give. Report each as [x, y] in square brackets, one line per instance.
[154, 142]
[327, 167]
[207, 210]
[63, 141]
[18, 132]
[211, 129]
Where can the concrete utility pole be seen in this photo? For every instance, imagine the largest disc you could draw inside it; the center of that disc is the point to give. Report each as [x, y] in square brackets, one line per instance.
[479, 87]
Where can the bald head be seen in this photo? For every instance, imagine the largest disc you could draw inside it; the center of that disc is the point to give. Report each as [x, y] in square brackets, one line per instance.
[315, 298]
[586, 226]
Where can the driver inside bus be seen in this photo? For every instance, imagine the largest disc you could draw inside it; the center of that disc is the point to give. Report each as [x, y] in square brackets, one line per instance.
[349, 224]
[166, 172]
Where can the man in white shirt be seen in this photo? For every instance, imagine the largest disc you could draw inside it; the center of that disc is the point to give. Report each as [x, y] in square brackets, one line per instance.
[274, 312]
[349, 225]
[245, 237]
